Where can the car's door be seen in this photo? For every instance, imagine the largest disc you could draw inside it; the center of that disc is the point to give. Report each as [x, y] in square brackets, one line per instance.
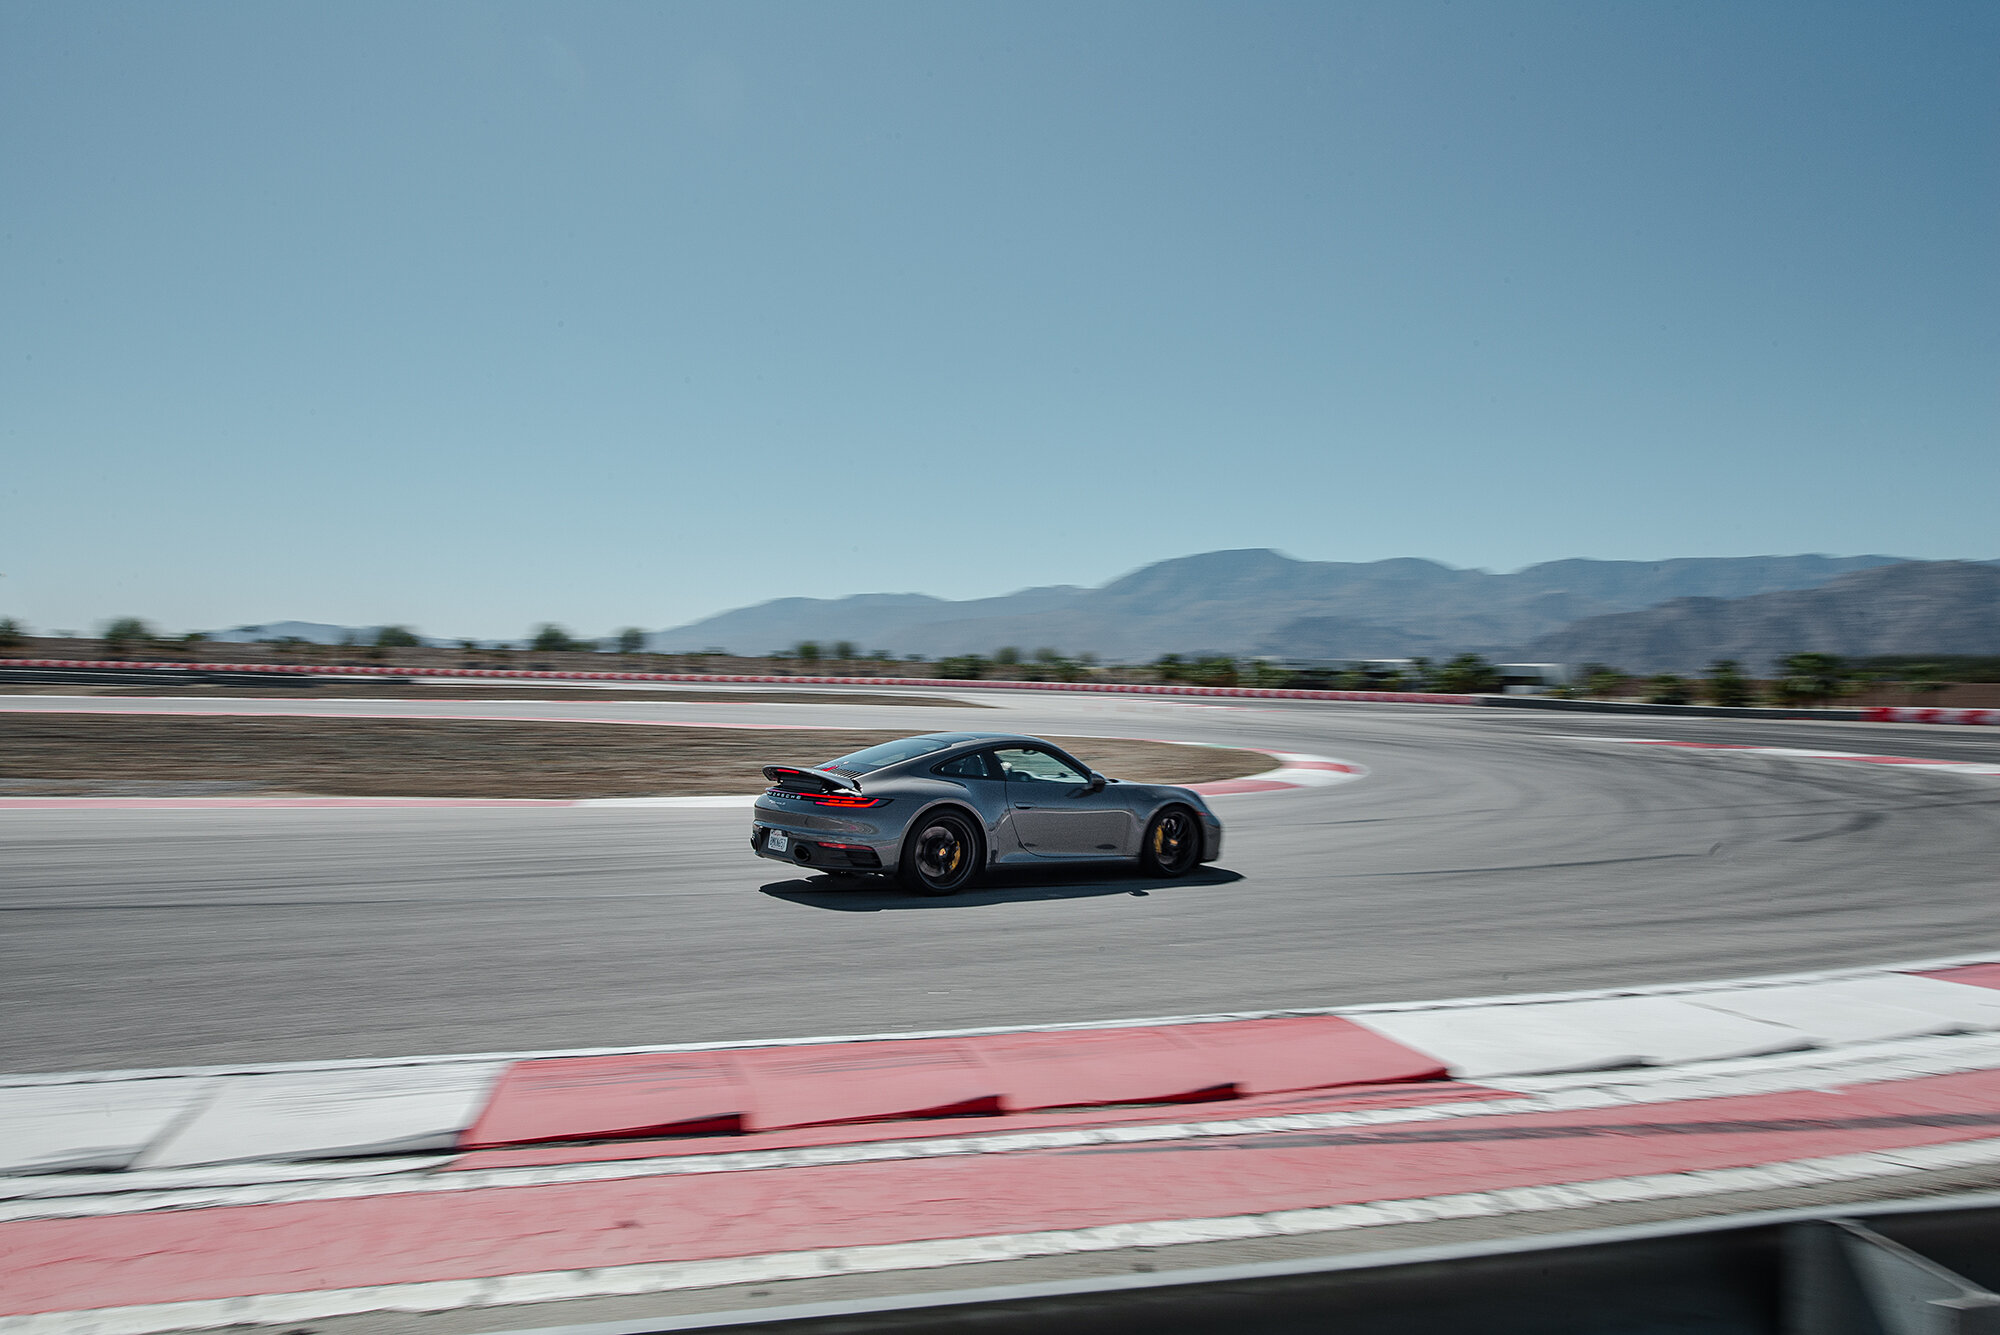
[985, 786]
[1055, 812]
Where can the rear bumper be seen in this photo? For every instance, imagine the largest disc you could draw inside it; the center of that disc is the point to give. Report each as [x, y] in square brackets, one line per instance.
[812, 848]
[1211, 837]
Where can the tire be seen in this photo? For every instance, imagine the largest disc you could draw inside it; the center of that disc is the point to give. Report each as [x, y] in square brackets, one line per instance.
[1172, 846]
[942, 854]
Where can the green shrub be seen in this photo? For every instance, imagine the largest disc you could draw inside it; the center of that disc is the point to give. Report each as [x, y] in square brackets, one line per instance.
[631, 640]
[1268, 676]
[1727, 686]
[1214, 670]
[396, 637]
[125, 634]
[1667, 689]
[550, 638]
[966, 667]
[12, 633]
[1467, 674]
[1810, 679]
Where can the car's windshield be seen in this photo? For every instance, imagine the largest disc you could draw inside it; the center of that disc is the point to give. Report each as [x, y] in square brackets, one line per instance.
[893, 753]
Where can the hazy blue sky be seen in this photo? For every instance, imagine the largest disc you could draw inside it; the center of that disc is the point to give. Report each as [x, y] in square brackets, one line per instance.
[473, 315]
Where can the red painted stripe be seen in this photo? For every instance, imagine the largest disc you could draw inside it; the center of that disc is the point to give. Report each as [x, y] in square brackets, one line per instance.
[1343, 1099]
[646, 1094]
[61, 1264]
[591, 1098]
[1974, 975]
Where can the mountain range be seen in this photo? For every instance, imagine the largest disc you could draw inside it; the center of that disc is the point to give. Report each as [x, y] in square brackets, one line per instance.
[1922, 607]
[1644, 616]
[1262, 602]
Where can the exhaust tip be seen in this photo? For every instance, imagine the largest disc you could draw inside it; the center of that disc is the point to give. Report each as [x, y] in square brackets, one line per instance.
[803, 853]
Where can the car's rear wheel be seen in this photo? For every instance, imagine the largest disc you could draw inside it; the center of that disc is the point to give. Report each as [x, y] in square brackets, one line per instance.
[1173, 843]
[942, 854]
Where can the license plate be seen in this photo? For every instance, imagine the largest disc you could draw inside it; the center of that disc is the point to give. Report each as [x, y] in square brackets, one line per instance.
[777, 842]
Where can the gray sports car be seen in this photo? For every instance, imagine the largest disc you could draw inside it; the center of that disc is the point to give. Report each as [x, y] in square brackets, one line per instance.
[938, 809]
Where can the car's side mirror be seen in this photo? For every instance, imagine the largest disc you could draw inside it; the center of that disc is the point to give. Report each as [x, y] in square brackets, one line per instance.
[1097, 782]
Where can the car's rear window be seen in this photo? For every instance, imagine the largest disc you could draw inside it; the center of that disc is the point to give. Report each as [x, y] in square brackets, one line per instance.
[893, 753]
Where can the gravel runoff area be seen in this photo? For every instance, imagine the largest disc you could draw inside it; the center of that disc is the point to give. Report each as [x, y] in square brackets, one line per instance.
[122, 755]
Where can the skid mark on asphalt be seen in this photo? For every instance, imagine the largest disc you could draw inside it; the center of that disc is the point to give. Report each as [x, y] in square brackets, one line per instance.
[1532, 866]
[1854, 824]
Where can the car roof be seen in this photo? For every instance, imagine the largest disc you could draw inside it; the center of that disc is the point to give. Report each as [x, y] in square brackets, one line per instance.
[959, 739]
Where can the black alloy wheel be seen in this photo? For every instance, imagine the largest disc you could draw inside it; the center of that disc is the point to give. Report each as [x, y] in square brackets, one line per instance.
[942, 854]
[1173, 843]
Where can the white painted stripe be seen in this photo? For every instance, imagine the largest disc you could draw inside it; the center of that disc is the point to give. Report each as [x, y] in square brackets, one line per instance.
[55, 1198]
[665, 1277]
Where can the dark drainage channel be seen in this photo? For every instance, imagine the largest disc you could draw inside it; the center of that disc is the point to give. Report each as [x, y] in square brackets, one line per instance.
[1923, 1268]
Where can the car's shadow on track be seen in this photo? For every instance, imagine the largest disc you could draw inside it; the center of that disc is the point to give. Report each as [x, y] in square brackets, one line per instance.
[1006, 885]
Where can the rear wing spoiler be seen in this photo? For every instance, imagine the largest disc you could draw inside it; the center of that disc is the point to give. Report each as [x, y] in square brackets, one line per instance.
[809, 780]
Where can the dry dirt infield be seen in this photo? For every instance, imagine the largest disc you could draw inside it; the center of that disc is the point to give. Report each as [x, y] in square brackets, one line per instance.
[123, 755]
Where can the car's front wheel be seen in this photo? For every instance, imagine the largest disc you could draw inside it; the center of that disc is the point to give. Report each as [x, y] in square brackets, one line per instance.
[1173, 843]
[942, 854]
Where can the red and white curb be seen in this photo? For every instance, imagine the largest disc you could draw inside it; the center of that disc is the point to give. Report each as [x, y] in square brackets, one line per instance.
[1684, 1091]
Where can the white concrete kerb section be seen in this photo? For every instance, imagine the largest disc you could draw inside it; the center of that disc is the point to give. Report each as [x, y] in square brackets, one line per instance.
[71, 1128]
[327, 1114]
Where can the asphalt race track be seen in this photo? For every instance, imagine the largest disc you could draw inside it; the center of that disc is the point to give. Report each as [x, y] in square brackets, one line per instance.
[1488, 851]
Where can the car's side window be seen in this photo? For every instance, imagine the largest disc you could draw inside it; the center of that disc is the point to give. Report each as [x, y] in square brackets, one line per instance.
[1029, 766]
[966, 767]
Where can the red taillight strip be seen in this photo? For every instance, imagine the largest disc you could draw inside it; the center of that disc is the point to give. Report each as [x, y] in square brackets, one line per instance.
[826, 799]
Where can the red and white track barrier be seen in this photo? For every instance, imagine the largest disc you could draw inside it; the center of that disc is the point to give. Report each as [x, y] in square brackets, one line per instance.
[1114, 688]
[1901, 714]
